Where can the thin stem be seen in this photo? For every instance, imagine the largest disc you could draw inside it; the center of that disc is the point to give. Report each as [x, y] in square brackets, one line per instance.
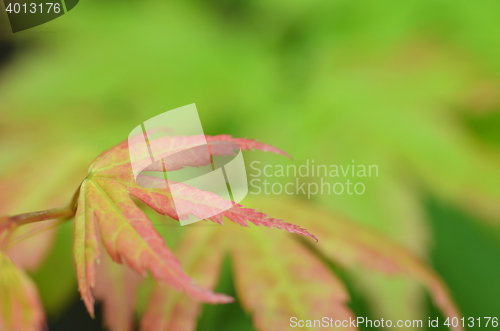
[11, 222]
[38, 216]
[43, 215]
[74, 201]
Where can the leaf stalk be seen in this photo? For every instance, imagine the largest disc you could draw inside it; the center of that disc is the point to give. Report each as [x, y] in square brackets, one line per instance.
[36, 216]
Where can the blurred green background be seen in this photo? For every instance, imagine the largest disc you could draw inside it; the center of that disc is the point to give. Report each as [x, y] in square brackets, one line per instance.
[411, 86]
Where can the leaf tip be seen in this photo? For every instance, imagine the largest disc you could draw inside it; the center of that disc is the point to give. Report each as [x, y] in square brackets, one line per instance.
[223, 298]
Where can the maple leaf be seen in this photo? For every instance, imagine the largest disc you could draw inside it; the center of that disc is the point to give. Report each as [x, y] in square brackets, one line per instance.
[297, 283]
[272, 289]
[169, 310]
[246, 144]
[351, 245]
[415, 120]
[107, 213]
[116, 287]
[20, 307]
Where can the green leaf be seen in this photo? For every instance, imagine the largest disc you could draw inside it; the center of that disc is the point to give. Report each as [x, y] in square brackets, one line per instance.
[20, 307]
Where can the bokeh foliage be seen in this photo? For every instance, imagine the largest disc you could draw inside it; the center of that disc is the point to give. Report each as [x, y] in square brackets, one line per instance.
[412, 86]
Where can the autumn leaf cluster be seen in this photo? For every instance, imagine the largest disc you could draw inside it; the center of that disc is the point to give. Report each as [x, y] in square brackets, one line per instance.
[278, 274]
